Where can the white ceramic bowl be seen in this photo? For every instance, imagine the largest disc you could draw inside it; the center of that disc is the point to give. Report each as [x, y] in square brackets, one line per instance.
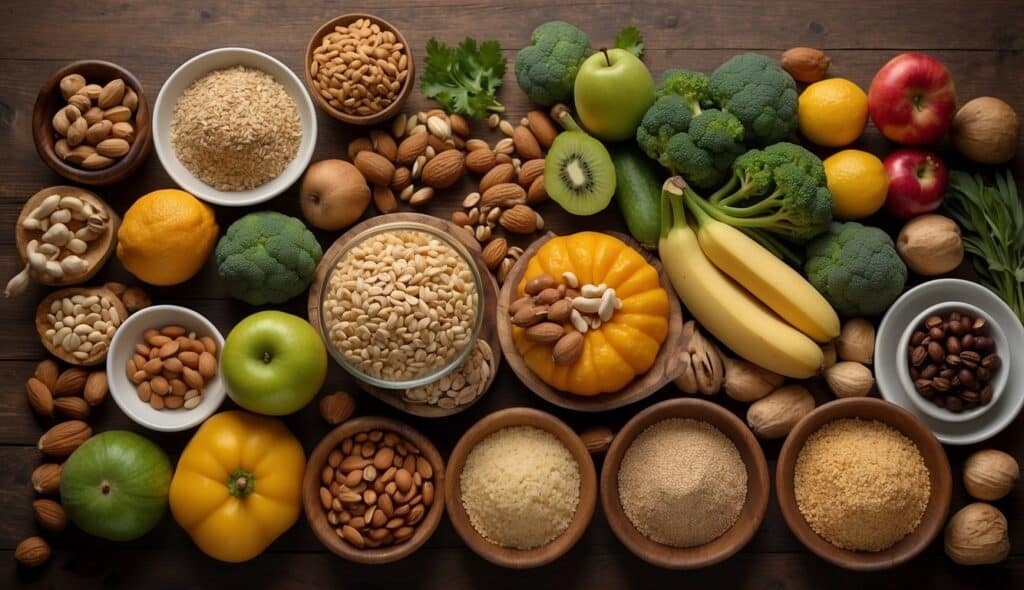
[123, 391]
[197, 67]
[998, 382]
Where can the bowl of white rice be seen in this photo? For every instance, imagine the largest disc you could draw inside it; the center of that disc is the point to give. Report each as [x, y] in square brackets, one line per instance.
[234, 127]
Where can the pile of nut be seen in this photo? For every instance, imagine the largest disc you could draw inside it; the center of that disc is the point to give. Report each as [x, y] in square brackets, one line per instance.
[171, 366]
[64, 227]
[82, 325]
[953, 360]
[560, 313]
[848, 360]
[95, 127]
[401, 304]
[460, 387]
[359, 68]
[376, 488]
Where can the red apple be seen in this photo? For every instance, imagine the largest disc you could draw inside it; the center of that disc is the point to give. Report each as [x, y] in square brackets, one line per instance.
[912, 99]
[917, 182]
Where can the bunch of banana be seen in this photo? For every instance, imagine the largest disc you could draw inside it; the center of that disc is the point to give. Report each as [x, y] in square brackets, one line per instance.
[754, 303]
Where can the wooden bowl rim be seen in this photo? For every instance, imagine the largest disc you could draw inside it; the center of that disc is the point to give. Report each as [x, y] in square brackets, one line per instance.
[311, 491]
[755, 505]
[110, 237]
[667, 361]
[505, 556]
[932, 521]
[44, 308]
[42, 126]
[364, 120]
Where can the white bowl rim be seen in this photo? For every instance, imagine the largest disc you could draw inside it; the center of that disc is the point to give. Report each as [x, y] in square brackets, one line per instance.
[272, 188]
[212, 399]
[903, 365]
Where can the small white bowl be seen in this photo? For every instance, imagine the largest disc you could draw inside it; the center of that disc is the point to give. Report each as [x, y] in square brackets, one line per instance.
[199, 66]
[998, 382]
[123, 391]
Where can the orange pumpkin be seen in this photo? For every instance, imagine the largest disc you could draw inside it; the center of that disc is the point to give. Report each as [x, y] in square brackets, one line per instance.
[621, 348]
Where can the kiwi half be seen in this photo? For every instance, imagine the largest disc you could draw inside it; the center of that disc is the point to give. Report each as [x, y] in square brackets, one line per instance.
[579, 174]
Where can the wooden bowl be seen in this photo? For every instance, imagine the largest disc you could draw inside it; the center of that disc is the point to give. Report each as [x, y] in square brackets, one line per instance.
[365, 120]
[666, 367]
[99, 250]
[934, 517]
[505, 556]
[318, 519]
[488, 330]
[42, 325]
[49, 101]
[754, 507]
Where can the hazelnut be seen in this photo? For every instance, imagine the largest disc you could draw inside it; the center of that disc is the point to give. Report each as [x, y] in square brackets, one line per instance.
[849, 379]
[930, 244]
[990, 474]
[977, 535]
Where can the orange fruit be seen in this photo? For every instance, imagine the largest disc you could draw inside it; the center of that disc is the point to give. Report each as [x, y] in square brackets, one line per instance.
[833, 112]
[858, 182]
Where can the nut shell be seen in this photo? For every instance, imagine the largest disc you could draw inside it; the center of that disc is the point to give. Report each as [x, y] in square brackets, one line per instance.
[977, 535]
[849, 379]
[856, 341]
[776, 414]
[990, 474]
[931, 244]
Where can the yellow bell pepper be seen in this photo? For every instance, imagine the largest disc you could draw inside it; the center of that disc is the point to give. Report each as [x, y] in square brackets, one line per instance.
[238, 485]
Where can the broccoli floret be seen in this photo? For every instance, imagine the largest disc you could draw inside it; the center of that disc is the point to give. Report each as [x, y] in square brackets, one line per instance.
[761, 95]
[856, 268]
[703, 155]
[693, 87]
[267, 257]
[668, 116]
[546, 68]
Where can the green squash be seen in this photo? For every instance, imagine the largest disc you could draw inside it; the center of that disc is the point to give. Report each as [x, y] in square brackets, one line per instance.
[115, 485]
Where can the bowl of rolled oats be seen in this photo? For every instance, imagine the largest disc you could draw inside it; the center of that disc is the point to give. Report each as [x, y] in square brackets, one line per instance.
[401, 308]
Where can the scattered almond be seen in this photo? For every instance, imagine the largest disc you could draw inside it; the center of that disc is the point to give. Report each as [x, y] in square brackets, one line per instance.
[70, 382]
[360, 144]
[46, 478]
[384, 144]
[50, 515]
[529, 171]
[480, 161]
[459, 125]
[39, 397]
[526, 144]
[384, 198]
[597, 439]
[499, 174]
[32, 552]
[72, 407]
[537, 193]
[520, 219]
[444, 169]
[374, 167]
[96, 387]
[495, 252]
[568, 349]
[64, 438]
[506, 194]
[543, 128]
[544, 332]
[337, 407]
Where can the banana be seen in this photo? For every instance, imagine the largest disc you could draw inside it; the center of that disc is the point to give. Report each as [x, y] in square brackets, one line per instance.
[726, 309]
[769, 279]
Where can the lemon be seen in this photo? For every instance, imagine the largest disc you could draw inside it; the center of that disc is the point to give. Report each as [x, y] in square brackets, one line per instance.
[858, 182]
[166, 236]
[833, 112]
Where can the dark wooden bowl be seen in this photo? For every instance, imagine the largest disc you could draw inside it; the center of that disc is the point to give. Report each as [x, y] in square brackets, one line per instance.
[935, 460]
[754, 507]
[666, 367]
[318, 519]
[49, 101]
[55, 349]
[504, 556]
[391, 110]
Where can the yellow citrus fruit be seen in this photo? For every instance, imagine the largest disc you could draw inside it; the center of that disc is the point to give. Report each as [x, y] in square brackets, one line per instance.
[833, 112]
[166, 236]
[858, 182]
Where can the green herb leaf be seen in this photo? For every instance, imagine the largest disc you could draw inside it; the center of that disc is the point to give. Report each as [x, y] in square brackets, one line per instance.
[464, 79]
[630, 39]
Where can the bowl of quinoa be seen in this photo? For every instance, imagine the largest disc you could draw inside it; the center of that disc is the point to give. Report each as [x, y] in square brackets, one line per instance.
[234, 127]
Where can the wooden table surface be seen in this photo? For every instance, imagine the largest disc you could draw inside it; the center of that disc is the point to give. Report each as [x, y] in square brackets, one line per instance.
[979, 41]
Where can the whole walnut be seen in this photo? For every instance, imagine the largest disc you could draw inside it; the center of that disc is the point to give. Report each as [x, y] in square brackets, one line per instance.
[930, 244]
[977, 535]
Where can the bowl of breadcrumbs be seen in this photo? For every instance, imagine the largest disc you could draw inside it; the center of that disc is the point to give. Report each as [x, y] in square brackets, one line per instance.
[863, 484]
[234, 127]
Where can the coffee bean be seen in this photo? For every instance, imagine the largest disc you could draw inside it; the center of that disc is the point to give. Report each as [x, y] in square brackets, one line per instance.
[933, 321]
[941, 384]
[952, 345]
[947, 373]
[965, 324]
[967, 379]
[954, 404]
[983, 374]
[983, 344]
[970, 358]
[954, 316]
[952, 360]
[991, 361]
[930, 371]
[935, 352]
[917, 337]
[914, 373]
[969, 395]
[936, 333]
[918, 356]
[978, 327]
[986, 394]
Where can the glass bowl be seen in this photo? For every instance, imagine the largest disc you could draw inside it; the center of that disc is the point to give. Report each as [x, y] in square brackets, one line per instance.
[430, 374]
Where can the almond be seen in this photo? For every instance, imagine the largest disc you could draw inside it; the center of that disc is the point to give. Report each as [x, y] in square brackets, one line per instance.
[545, 332]
[444, 169]
[538, 192]
[498, 174]
[560, 310]
[72, 407]
[384, 198]
[207, 365]
[123, 130]
[568, 349]
[98, 132]
[70, 382]
[480, 161]
[543, 128]
[597, 439]
[337, 407]
[411, 148]
[520, 219]
[32, 552]
[495, 252]
[526, 144]
[401, 179]
[473, 145]
[50, 515]
[64, 438]
[360, 144]
[503, 195]
[113, 147]
[375, 168]
[95, 390]
[46, 478]
[47, 372]
[384, 144]
[529, 171]
[459, 125]
[438, 144]
[111, 94]
[117, 114]
[39, 397]
[806, 64]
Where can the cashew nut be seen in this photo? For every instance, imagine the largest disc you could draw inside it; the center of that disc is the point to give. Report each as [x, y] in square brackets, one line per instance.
[58, 234]
[54, 269]
[73, 265]
[30, 223]
[49, 205]
[77, 245]
[60, 216]
[16, 286]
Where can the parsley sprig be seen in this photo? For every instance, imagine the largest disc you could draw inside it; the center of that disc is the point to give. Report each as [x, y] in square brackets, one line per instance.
[464, 79]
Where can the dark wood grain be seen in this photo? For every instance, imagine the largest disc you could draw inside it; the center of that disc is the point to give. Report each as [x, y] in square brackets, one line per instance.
[980, 42]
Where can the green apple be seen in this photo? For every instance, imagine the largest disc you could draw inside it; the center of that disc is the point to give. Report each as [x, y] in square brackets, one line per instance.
[273, 363]
[613, 90]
